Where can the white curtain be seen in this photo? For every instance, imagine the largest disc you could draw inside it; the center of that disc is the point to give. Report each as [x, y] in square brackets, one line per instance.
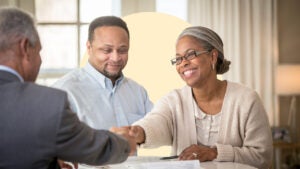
[248, 29]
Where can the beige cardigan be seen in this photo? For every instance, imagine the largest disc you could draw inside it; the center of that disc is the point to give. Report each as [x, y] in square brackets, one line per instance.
[244, 134]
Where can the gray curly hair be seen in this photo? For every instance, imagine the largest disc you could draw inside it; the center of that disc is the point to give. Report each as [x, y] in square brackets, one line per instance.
[210, 40]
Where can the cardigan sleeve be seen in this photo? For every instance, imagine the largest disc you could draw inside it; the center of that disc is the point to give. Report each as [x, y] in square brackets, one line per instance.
[248, 133]
[171, 121]
[158, 125]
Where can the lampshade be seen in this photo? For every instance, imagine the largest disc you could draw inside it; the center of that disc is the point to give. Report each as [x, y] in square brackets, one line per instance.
[288, 79]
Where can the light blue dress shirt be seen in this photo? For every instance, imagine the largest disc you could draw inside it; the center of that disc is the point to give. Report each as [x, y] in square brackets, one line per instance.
[10, 70]
[100, 104]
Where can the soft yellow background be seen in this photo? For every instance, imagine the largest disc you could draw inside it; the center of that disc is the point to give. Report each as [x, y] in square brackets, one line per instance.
[152, 45]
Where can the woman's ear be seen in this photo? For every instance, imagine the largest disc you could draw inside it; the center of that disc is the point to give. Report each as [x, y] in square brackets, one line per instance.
[215, 54]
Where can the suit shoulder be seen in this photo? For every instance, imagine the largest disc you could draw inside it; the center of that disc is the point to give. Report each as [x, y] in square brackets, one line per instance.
[39, 89]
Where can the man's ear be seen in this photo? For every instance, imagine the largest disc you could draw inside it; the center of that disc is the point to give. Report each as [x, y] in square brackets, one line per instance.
[24, 48]
[88, 46]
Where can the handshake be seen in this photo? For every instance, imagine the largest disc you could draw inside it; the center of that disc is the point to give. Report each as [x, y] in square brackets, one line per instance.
[133, 134]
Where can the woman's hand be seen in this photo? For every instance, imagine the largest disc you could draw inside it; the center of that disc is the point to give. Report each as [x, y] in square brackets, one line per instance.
[137, 132]
[134, 134]
[200, 152]
[124, 132]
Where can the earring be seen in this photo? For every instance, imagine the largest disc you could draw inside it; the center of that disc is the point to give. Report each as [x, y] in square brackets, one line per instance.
[213, 66]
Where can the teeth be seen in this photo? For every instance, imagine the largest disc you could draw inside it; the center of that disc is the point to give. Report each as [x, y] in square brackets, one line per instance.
[188, 73]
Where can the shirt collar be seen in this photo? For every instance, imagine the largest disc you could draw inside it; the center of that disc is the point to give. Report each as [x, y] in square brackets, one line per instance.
[100, 78]
[12, 71]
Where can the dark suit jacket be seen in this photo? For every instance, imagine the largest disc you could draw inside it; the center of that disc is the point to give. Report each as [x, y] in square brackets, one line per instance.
[37, 126]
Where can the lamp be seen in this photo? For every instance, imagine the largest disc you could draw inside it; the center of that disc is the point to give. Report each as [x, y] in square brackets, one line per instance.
[288, 84]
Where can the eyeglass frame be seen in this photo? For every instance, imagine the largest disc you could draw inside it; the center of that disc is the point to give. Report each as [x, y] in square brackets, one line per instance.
[188, 56]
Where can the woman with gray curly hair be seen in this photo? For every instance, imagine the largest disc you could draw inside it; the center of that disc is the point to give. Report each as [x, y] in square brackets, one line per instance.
[209, 119]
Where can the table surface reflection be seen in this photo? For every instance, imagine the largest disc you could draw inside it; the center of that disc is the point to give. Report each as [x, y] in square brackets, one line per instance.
[224, 165]
[131, 161]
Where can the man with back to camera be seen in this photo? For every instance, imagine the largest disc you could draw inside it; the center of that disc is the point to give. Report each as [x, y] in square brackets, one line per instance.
[36, 125]
[99, 93]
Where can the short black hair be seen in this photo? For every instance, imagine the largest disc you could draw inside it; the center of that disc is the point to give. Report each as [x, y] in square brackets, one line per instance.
[106, 21]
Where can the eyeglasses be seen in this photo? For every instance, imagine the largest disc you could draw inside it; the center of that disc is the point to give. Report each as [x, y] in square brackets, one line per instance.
[188, 56]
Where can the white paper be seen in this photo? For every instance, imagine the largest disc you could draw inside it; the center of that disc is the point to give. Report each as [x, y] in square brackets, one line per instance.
[193, 164]
[143, 162]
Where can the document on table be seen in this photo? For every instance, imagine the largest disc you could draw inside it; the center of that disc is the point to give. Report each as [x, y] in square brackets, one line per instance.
[192, 164]
[152, 163]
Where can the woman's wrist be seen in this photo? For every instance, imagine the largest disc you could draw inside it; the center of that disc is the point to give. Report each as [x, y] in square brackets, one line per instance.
[140, 137]
[214, 153]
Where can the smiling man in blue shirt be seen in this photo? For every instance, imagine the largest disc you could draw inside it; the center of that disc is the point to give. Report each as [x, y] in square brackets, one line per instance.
[99, 92]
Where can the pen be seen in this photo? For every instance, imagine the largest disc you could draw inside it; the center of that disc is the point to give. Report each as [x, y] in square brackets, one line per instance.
[169, 157]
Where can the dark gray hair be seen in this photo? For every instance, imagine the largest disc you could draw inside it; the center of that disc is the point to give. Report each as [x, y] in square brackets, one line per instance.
[210, 40]
[14, 25]
[106, 21]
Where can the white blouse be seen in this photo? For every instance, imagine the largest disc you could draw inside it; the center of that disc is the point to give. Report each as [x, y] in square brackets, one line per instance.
[207, 127]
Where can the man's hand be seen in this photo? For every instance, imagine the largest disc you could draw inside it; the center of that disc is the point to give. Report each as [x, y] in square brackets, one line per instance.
[124, 132]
